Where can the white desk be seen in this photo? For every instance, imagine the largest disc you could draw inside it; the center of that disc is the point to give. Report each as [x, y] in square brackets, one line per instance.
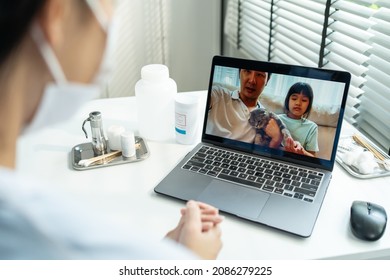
[125, 193]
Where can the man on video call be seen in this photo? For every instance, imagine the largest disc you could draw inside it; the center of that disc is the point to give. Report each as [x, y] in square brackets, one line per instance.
[229, 111]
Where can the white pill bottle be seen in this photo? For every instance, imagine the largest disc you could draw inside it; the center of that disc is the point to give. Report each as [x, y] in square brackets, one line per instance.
[155, 94]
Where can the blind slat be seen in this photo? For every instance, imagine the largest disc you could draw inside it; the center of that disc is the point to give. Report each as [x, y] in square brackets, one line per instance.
[289, 26]
[294, 55]
[306, 43]
[378, 75]
[365, 126]
[351, 31]
[349, 42]
[355, 80]
[377, 119]
[380, 51]
[305, 14]
[288, 44]
[352, 20]
[381, 39]
[355, 92]
[351, 113]
[315, 27]
[376, 86]
[247, 28]
[282, 57]
[384, 11]
[311, 6]
[252, 47]
[251, 8]
[380, 63]
[352, 102]
[380, 100]
[381, 26]
[263, 3]
[345, 52]
[346, 64]
[353, 8]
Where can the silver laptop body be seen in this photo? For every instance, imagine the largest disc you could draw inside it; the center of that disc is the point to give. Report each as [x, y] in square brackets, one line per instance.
[280, 189]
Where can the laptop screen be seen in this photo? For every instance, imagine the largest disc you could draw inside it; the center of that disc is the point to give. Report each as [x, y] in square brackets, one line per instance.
[288, 112]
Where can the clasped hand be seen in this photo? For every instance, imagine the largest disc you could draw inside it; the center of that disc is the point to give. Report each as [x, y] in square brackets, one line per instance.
[198, 229]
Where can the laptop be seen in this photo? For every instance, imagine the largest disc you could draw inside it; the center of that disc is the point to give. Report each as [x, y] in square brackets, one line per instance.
[275, 187]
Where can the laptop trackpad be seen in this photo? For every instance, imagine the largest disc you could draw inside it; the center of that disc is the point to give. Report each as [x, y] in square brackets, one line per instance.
[234, 199]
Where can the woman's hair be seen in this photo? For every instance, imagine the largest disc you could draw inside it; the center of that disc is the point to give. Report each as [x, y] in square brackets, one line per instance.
[15, 19]
[306, 90]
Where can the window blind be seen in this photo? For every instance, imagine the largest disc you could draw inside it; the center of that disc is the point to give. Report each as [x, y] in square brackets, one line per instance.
[247, 27]
[348, 43]
[143, 29]
[297, 31]
[254, 28]
[350, 35]
[358, 32]
[375, 102]
[231, 22]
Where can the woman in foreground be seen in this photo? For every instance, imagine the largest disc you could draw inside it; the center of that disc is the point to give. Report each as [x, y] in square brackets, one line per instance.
[52, 55]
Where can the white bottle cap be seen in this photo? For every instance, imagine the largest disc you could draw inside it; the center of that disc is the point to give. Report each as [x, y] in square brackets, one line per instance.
[155, 72]
[128, 144]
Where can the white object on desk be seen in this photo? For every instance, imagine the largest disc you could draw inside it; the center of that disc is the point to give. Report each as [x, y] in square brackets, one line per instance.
[363, 160]
[155, 94]
[186, 118]
[128, 144]
[114, 137]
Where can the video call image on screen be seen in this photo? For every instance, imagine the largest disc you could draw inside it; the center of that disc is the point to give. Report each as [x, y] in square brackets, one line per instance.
[313, 130]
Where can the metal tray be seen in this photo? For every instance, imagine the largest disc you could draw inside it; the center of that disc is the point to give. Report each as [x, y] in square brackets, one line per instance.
[346, 144]
[84, 151]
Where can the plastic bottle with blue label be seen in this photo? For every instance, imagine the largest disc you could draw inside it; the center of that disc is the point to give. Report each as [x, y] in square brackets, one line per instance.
[186, 118]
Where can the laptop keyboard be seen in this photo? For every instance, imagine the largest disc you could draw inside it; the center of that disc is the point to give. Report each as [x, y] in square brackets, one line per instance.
[273, 177]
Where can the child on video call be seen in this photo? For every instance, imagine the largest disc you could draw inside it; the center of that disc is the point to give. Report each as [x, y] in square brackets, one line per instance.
[297, 106]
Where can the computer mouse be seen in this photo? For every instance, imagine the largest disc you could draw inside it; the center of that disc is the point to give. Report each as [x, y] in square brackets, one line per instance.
[368, 220]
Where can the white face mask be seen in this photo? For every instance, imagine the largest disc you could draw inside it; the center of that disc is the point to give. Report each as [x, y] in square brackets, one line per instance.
[107, 65]
[111, 28]
[63, 98]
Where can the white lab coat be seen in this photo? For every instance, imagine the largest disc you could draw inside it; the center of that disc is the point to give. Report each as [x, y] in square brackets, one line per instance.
[37, 222]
